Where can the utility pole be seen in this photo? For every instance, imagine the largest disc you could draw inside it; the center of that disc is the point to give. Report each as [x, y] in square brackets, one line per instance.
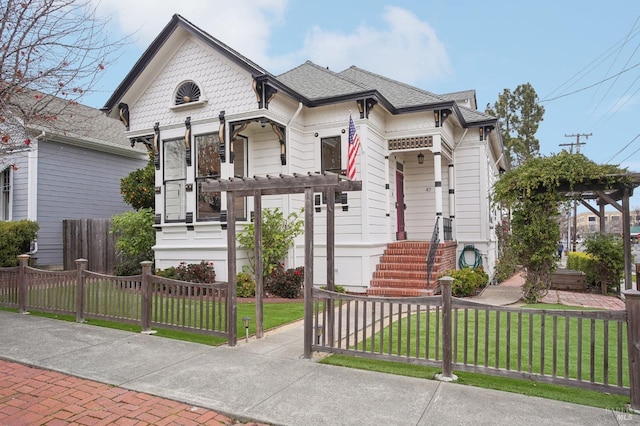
[577, 144]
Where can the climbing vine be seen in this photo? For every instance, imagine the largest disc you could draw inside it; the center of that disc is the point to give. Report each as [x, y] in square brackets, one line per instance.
[530, 191]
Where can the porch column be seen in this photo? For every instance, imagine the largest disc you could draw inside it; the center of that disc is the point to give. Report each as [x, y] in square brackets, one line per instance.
[452, 198]
[437, 171]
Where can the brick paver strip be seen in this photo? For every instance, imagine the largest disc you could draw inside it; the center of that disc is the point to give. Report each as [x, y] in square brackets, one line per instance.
[31, 396]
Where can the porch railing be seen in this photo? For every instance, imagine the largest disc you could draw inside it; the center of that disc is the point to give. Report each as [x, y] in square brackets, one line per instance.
[433, 249]
[447, 228]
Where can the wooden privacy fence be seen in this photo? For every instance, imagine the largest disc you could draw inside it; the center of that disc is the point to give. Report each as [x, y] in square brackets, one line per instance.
[598, 350]
[89, 239]
[145, 299]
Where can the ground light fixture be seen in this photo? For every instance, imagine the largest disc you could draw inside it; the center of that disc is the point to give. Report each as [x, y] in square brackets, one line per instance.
[319, 329]
[246, 321]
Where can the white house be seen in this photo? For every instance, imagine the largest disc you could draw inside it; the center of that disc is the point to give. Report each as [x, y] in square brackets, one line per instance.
[427, 161]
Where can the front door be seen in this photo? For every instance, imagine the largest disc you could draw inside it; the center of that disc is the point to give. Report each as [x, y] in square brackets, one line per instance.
[400, 206]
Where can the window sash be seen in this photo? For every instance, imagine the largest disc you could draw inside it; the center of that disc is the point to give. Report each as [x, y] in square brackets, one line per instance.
[207, 165]
[5, 200]
[175, 176]
[331, 154]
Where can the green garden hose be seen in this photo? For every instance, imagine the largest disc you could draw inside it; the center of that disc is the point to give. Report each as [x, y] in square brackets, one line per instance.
[462, 261]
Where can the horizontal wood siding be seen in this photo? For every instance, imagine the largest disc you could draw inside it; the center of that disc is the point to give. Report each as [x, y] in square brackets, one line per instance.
[19, 185]
[76, 183]
[468, 193]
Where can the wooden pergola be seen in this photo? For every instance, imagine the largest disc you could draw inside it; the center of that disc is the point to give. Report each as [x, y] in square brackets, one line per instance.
[604, 193]
[327, 183]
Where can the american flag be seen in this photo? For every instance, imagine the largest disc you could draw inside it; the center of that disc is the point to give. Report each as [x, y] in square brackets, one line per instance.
[354, 146]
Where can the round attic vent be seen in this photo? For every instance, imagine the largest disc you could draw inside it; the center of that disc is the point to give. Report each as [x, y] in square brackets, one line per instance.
[187, 92]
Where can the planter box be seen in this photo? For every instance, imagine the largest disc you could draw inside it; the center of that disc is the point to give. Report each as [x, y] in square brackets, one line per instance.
[568, 279]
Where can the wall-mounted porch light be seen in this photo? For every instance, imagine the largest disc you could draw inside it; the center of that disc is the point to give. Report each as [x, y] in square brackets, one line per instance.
[421, 158]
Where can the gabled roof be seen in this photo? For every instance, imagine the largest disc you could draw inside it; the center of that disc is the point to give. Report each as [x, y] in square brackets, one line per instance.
[176, 22]
[462, 95]
[315, 82]
[400, 95]
[311, 84]
[68, 121]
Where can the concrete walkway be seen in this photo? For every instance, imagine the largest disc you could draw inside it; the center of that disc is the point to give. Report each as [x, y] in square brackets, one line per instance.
[265, 380]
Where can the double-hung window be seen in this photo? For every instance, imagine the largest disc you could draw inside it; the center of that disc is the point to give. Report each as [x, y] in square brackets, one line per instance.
[207, 166]
[331, 154]
[175, 175]
[5, 187]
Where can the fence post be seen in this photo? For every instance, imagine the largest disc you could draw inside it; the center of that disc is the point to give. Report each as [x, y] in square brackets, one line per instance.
[446, 375]
[81, 266]
[632, 302]
[146, 297]
[24, 284]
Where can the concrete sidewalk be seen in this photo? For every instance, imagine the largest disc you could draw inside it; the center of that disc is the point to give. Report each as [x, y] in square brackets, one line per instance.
[267, 380]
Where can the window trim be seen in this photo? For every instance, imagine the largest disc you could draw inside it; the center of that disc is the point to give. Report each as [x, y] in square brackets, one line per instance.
[9, 194]
[165, 180]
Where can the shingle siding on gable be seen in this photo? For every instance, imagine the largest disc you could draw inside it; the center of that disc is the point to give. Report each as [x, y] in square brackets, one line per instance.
[225, 86]
[75, 183]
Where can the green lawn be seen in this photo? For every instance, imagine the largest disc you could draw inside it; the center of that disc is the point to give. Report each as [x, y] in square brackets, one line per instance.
[274, 315]
[488, 344]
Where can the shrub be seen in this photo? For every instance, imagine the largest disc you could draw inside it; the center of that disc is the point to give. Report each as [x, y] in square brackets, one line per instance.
[584, 262]
[337, 288]
[202, 272]
[15, 239]
[135, 237]
[285, 283]
[278, 235]
[607, 253]
[246, 285]
[137, 188]
[467, 281]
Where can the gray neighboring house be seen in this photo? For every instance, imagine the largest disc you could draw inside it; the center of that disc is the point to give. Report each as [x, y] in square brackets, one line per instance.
[70, 169]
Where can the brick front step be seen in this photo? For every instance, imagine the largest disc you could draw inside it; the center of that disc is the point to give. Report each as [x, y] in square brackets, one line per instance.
[402, 266]
[402, 283]
[402, 259]
[398, 292]
[401, 274]
[402, 270]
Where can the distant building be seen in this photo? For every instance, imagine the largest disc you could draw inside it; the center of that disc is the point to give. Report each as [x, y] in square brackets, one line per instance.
[70, 169]
[588, 223]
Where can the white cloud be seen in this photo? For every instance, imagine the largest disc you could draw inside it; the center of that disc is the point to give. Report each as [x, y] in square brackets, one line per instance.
[407, 49]
[244, 25]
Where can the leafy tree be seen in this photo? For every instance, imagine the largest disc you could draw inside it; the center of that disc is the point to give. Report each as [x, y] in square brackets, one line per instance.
[278, 235]
[51, 49]
[530, 191]
[135, 238]
[137, 188]
[519, 117]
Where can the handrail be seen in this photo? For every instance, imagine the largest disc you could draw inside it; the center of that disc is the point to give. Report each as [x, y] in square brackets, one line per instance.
[433, 248]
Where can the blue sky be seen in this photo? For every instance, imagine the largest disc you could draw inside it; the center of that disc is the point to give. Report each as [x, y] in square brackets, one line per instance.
[560, 47]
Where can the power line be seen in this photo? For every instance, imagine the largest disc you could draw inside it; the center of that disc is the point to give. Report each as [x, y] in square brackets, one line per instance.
[625, 147]
[591, 85]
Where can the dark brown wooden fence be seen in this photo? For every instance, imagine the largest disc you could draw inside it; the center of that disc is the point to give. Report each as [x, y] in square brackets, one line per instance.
[89, 239]
[598, 350]
[143, 299]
